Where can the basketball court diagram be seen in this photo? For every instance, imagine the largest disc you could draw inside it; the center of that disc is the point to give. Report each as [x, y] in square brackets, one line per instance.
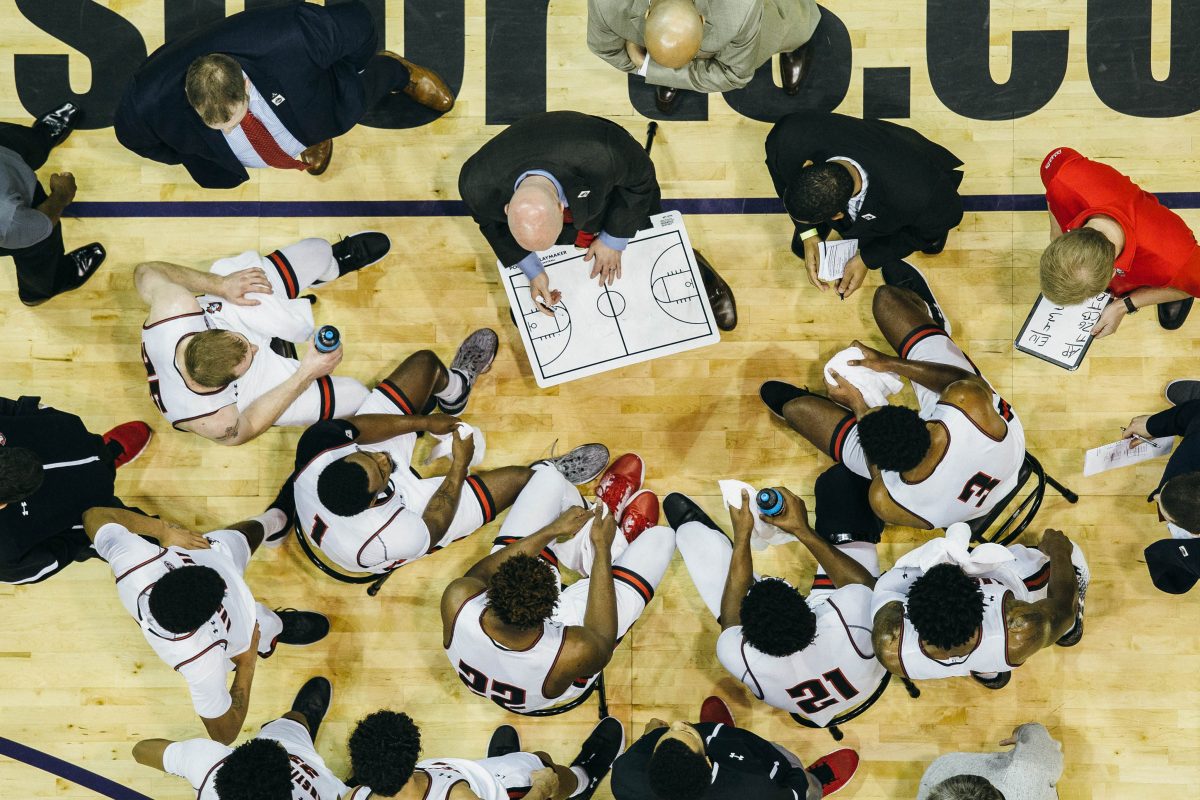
[657, 308]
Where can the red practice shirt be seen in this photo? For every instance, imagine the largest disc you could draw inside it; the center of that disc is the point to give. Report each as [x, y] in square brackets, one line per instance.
[1160, 249]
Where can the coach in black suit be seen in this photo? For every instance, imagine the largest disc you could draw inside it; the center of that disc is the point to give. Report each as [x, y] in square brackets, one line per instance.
[311, 72]
[885, 185]
[563, 177]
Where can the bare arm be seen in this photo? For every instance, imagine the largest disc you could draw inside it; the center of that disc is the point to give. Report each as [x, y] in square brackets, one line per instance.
[440, 510]
[149, 752]
[886, 508]
[598, 635]
[167, 534]
[226, 727]
[1153, 295]
[841, 568]
[1033, 626]
[885, 636]
[741, 565]
[171, 289]
[933, 376]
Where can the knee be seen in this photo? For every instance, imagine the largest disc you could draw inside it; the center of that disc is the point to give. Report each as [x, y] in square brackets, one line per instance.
[427, 359]
[886, 300]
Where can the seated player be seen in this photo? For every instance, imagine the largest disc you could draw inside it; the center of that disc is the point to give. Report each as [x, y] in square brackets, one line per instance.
[385, 746]
[211, 360]
[811, 656]
[715, 760]
[189, 597]
[945, 622]
[280, 763]
[359, 500]
[952, 461]
[510, 632]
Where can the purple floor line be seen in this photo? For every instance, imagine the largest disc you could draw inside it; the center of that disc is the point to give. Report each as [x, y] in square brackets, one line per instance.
[67, 771]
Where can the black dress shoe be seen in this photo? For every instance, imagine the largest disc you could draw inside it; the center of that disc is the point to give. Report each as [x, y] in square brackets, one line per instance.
[312, 702]
[59, 123]
[302, 627]
[680, 509]
[505, 740]
[665, 98]
[793, 67]
[936, 247]
[720, 296]
[1172, 315]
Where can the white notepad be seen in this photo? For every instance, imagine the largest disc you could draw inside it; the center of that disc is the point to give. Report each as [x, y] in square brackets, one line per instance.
[835, 256]
[1122, 453]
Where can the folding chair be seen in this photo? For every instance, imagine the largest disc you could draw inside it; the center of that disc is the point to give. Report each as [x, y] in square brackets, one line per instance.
[833, 725]
[374, 579]
[1023, 515]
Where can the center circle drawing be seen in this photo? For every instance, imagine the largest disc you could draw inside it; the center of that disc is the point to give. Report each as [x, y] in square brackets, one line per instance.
[611, 304]
[673, 284]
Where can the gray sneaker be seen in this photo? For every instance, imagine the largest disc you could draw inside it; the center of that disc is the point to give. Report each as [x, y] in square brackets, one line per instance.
[581, 465]
[474, 357]
[1181, 391]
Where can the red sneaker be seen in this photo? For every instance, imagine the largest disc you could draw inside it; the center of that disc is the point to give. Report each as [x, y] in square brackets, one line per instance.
[714, 709]
[641, 512]
[131, 438]
[834, 770]
[620, 482]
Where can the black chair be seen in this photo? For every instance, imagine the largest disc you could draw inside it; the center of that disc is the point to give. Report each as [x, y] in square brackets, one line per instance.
[374, 579]
[1026, 510]
[596, 688]
[858, 710]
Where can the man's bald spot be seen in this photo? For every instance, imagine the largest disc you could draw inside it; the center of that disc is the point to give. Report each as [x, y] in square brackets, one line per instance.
[535, 215]
[674, 29]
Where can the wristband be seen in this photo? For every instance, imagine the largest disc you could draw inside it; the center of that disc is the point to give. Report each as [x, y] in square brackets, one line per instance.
[1129, 306]
[808, 234]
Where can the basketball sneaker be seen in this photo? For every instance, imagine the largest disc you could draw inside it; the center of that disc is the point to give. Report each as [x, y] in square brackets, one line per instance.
[505, 740]
[1181, 391]
[992, 680]
[681, 509]
[312, 702]
[285, 501]
[302, 628]
[360, 250]
[128, 441]
[581, 465]
[640, 513]
[777, 394]
[714, 709]
[835, 770]
[620, 482]
[474, 357]
[904, 275]
[600, 749]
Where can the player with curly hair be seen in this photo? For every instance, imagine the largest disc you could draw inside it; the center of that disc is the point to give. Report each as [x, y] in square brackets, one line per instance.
[954, 459]
[809, 656]
[969, 616]
[512, 636]
[385, 751]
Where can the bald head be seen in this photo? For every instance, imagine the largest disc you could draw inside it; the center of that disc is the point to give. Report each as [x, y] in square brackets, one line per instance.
[674, 29]
[535, 216]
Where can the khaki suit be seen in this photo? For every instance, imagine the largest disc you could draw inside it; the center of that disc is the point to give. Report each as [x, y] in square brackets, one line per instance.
[739, 37]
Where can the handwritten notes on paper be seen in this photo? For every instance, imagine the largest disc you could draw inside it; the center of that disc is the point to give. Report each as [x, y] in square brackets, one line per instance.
[835, 256]
[1060, 334]
[1125, 452]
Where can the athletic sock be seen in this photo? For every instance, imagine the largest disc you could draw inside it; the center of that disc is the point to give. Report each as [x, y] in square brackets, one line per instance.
[456, 390]
[273, 521]
[584, 781]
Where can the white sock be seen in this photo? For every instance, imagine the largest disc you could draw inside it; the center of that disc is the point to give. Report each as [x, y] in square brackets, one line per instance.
[272, 521]
[584, 780]
[456, 387]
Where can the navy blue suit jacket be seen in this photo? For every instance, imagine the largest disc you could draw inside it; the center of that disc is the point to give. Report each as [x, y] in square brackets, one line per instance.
[308, 55]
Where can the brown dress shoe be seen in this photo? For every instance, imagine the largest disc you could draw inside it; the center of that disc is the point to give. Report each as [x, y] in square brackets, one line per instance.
[720, 296]
[793, 67]
[425, 86]
[318, 156]
[665, 98]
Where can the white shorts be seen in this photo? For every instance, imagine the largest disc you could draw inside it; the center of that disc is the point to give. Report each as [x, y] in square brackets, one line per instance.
[515, 770]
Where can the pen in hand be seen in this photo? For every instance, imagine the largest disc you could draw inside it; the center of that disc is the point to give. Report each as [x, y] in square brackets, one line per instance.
[1142, 438]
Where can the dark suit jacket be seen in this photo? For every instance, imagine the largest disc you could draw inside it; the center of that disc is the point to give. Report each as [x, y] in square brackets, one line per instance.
[307, 54]
[606, 175]
[912, 183]
[1182, 420]
[747, 767]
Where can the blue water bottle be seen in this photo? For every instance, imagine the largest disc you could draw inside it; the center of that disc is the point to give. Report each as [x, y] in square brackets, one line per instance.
[770, 502]
[327, 339]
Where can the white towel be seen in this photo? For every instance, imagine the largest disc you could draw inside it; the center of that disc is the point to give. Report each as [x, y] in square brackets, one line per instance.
[765, 534]
[445, 447]
[954, 548]
[876, 387]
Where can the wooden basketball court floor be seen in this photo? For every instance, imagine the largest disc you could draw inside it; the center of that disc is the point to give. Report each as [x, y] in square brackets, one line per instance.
[78, 681]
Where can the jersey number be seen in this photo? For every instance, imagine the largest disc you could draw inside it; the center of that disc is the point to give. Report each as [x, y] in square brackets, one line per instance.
[502, 694]
[319, 529]
[152, 377]
[812, 696]
[980, 483]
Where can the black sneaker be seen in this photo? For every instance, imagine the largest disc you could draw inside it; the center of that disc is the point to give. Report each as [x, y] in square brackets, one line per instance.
[1171, 316]
[312, 701]
[285, 501]
[999, 682]
[505, 740]
[680, 509]
[904, 275]
[1182, 391]
[581, 465]
[59, 123]
[777, 394]
[473, 358]
[360, 250]
[600, 749]
[302, 628]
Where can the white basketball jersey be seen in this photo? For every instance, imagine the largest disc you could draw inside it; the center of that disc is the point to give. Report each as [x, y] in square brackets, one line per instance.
[445, 772]
[513, 679]
[376, 540]
[975, 473]
[833, 675]
[174, 398]
[991, 652]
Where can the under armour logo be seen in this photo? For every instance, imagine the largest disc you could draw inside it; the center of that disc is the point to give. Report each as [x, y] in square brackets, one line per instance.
[584, 193]
[277, 99]
[25, 513]
[735, 755]
[868, 216]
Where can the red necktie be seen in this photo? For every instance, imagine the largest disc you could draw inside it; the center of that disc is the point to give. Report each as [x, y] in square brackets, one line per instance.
[583, 239]
[265, 145]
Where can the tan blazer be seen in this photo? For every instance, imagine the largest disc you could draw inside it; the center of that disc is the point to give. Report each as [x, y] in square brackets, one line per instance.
[739, 37]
